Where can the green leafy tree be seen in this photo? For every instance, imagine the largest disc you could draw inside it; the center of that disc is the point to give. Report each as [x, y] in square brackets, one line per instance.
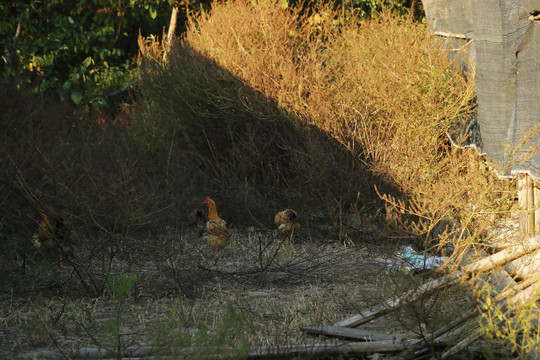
[79, 49]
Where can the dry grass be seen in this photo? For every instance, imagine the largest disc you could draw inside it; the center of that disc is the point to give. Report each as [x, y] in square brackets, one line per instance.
[182, 298]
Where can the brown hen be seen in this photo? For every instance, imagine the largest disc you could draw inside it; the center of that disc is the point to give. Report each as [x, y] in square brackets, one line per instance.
[287, 222]
[219, 234]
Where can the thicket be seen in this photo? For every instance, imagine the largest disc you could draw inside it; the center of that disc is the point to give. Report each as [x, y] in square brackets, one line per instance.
[384, 90]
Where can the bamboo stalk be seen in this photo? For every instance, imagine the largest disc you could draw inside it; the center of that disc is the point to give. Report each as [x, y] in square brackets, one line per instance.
[341, 348]
[530, 206]
[525, 266]
[504, 256]
[536, 197]
[525, 190]
[461, 345]
[515, 296]
[518, 298]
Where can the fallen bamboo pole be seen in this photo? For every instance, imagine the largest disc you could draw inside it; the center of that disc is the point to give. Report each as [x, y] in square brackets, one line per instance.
[392, 304]
[480, 266]
[453, 324]
[504, 256]
[525, 266]
[460, 345]
[451, 35]
[345, 332]
[342, 348]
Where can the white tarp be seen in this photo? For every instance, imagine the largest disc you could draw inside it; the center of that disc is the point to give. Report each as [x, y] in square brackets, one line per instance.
[503, 39]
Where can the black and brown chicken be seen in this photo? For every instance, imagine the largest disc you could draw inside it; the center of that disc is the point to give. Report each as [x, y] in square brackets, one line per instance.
[197, 220]
[57, 237]
[287, 222]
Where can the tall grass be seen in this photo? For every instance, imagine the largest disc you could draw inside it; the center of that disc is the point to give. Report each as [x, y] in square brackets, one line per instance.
[368, 84]
[224, 96]
[385, 89]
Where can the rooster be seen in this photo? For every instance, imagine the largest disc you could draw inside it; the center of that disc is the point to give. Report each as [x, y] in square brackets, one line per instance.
[287, 222]
[219, 234]
[56, 237]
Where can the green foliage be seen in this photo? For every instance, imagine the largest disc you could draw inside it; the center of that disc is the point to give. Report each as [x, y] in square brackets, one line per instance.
[80, 50]
[367, 8]
[118, 289]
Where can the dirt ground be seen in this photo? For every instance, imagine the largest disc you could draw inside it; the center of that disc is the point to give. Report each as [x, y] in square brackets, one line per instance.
[261, 292]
